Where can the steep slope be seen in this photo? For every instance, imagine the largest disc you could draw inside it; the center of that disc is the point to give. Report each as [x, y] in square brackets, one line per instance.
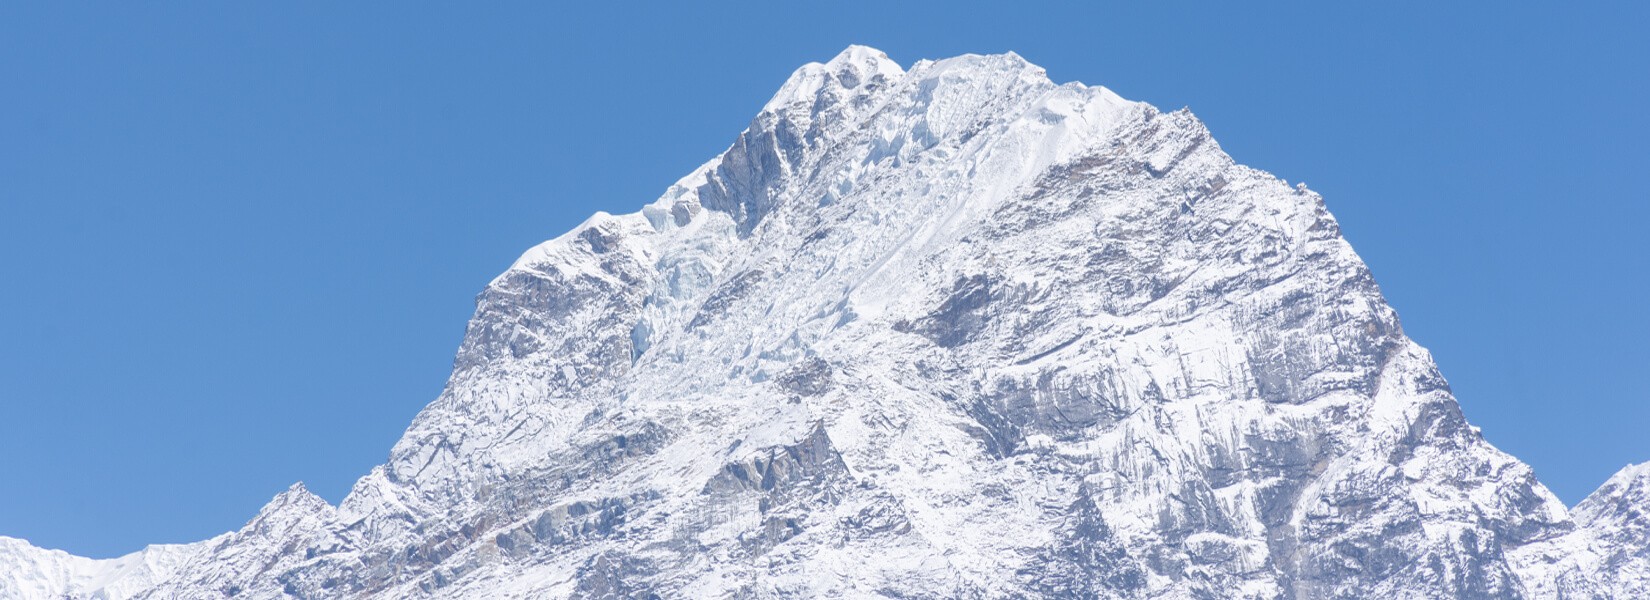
[1618, 517]
[956, 331]
[290, 539]
[1608, 554]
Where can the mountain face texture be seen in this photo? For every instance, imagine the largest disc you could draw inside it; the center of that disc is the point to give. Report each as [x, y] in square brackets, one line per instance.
[947, 332]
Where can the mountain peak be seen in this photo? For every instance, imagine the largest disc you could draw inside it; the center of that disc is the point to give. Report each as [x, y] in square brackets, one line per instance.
[296, 495]
[872, 59]
[972, 332]
[847, 74]
[1627, 491]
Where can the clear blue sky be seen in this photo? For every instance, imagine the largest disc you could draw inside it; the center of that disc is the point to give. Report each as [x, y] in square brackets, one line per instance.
[239, 241]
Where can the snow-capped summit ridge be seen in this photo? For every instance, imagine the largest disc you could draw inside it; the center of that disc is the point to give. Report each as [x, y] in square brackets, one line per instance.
[875, 60]
[296, 497]
[950, 331]
[852, 68]
[1624, 497]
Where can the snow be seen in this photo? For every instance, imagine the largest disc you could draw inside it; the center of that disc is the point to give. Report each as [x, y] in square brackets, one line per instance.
[949, 331]
[30, 573]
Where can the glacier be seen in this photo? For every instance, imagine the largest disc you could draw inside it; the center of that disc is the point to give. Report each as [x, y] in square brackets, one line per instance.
[952, 331]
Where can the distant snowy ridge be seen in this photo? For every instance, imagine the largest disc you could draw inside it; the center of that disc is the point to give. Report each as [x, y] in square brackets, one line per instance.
[948, 332]
[27, 572]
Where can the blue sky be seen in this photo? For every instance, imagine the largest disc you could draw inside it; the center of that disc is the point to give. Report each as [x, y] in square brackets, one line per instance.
[239, 243]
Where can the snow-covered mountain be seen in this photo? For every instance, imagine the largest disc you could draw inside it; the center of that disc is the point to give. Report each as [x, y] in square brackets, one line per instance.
[952, 331]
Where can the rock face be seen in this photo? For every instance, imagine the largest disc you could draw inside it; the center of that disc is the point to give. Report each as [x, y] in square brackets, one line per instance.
[956, 331]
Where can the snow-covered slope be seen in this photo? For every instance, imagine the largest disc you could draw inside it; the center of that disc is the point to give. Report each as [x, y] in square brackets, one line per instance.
[951, 331]
[1608, 554]
[1618, 518]
[30, 573]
